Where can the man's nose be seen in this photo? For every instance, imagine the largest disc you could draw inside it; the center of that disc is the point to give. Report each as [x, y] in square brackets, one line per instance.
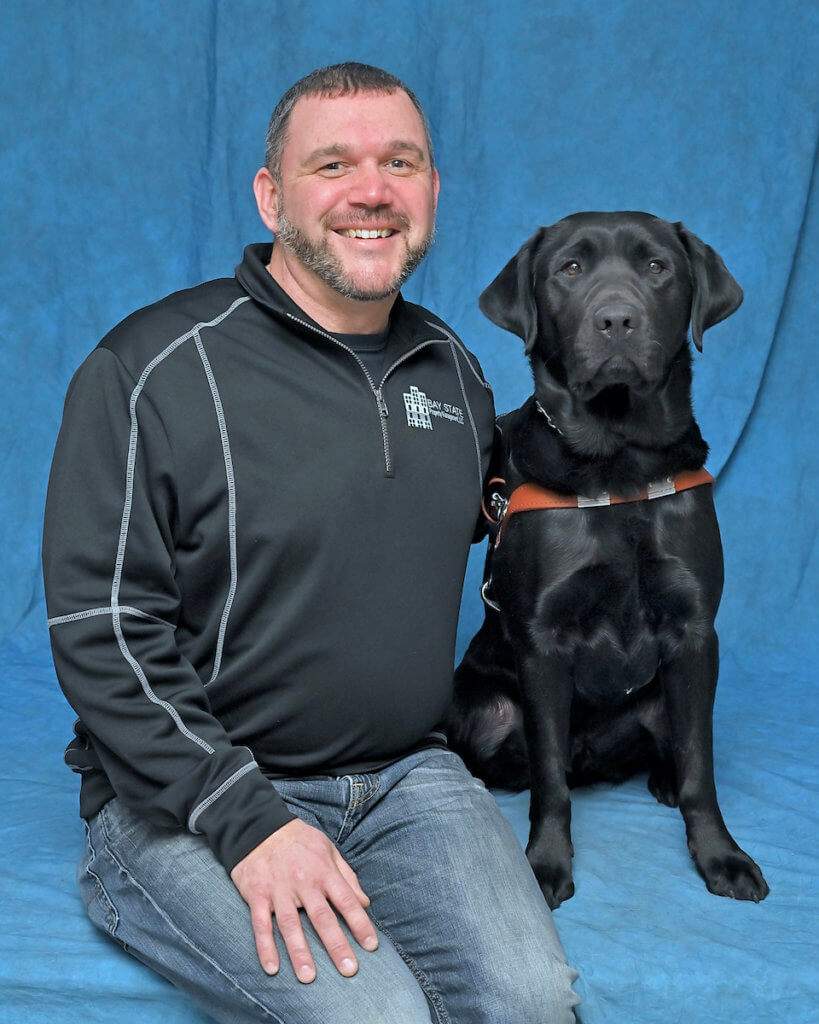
[370, 186]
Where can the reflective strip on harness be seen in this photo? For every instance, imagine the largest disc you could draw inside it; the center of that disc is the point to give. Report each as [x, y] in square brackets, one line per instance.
[529, 497]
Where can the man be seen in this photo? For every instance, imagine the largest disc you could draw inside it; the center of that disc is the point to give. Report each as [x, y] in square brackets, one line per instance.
[259, 512]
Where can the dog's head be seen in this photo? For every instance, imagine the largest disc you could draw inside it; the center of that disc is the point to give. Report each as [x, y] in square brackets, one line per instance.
[606, 299]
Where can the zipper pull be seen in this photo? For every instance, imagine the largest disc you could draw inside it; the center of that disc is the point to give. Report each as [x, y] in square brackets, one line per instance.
[382, 405]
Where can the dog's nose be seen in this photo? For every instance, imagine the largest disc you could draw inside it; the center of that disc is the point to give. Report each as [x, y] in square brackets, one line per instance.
[616, 318]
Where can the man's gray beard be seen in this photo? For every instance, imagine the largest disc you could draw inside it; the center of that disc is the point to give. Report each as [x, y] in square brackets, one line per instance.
[321, 259]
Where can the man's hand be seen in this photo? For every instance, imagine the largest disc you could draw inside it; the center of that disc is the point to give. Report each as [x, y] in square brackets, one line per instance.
[298, 866]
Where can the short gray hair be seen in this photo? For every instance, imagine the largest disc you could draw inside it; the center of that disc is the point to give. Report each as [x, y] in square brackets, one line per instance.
[334, 80]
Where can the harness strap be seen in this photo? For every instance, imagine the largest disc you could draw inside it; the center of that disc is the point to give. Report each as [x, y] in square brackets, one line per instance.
[529, 496]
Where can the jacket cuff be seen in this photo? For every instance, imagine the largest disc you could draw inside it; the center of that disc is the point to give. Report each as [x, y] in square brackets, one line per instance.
[243, 816]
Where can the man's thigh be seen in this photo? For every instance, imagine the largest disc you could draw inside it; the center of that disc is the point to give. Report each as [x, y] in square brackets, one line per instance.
[451, 886]
[164, 897]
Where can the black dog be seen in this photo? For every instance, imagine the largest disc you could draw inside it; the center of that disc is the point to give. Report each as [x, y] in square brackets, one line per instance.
[598, 656]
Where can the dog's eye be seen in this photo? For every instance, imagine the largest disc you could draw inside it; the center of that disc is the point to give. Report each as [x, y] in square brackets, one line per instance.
[572, 268]
[655, 267]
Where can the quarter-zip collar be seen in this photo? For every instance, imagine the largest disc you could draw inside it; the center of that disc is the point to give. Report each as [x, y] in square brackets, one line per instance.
[406, 322]
[407, 325]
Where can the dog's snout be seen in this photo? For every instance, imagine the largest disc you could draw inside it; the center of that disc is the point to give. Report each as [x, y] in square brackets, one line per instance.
[615, 318]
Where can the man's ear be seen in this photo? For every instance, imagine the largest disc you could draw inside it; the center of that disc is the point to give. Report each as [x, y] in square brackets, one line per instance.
[509, 301]
[267, 198]
[716, 293]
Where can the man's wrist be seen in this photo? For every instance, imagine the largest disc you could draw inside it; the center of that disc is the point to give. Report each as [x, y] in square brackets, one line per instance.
[242, 818]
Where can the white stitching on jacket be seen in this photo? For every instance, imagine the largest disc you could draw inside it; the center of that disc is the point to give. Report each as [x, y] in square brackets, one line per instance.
[231, 493]
[205, 804]
[87, 613]
[126, 516]
[469, 411]
[466, 354]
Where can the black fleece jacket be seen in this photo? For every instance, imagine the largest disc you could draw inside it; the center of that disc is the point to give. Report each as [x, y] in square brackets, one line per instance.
[254, 553]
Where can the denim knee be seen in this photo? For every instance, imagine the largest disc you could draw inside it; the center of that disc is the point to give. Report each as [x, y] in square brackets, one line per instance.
[539, 993]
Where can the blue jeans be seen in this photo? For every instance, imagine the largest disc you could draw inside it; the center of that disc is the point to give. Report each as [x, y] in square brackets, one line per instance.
[465, 936]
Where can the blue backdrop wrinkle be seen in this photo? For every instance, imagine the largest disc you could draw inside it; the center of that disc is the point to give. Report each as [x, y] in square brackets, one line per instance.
[131, 137]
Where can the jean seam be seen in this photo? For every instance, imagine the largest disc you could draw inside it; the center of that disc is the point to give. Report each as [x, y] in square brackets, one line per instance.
[375, 786]
[351, 806]
[357, 800]
[423, 981]
[112, 915]
[176, 929]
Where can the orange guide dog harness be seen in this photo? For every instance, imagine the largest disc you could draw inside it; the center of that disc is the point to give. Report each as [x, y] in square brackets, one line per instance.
[528, 497]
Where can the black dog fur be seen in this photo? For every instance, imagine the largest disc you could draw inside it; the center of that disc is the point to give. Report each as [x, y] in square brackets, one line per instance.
[601, 659]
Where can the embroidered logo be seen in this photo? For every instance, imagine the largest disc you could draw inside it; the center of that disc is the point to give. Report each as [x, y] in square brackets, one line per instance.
[417, 407]
[421, 409]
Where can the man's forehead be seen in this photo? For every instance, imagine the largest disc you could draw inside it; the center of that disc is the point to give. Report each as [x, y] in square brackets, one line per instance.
[332, 122]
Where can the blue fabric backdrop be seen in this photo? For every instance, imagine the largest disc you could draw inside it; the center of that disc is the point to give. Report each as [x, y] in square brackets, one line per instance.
[131, 134]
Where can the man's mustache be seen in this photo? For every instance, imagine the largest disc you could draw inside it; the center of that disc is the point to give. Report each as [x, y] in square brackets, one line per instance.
[378, 216]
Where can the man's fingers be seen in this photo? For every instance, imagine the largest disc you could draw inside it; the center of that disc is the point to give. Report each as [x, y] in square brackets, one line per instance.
[297, 866]
[351, 878]
[261, 917]
[347, 901]
[323, 918]
[289, 924]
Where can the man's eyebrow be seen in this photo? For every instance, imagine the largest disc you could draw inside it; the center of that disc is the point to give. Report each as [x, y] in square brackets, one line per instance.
[405, 146]
[336, 149]
[339, 149]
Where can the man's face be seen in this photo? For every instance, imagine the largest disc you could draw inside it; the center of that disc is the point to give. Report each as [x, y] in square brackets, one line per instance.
[357, 194]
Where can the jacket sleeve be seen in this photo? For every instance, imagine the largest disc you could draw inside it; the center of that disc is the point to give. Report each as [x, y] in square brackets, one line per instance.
[113, 606]
[482, 410]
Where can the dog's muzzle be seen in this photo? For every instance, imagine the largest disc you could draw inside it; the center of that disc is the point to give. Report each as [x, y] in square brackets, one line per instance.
[615, 371]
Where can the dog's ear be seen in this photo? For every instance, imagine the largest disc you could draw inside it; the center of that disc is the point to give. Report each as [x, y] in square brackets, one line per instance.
[509, 301]
[716, 293]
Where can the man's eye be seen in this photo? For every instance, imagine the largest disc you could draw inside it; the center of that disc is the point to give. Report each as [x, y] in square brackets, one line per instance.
[334, 167]
[572, 268]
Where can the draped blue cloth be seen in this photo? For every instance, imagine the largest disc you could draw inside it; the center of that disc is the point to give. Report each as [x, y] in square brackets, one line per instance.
[130, 136]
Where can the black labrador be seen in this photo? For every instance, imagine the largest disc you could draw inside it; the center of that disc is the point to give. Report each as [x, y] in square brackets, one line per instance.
[598, 656]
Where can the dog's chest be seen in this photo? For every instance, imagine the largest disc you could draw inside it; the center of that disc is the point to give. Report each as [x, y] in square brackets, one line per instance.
[614, 590]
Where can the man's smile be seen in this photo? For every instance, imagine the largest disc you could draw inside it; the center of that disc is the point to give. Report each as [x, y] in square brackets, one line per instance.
[365, 232]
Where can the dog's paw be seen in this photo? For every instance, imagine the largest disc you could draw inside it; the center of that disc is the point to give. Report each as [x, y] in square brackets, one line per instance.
[733, 874]
[555, 886]
[553, 873]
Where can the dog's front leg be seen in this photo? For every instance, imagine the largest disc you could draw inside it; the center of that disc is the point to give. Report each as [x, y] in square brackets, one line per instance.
[689, 685]
[546, 696]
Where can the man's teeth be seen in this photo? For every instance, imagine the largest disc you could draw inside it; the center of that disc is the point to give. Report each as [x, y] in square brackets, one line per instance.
[364, 233]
